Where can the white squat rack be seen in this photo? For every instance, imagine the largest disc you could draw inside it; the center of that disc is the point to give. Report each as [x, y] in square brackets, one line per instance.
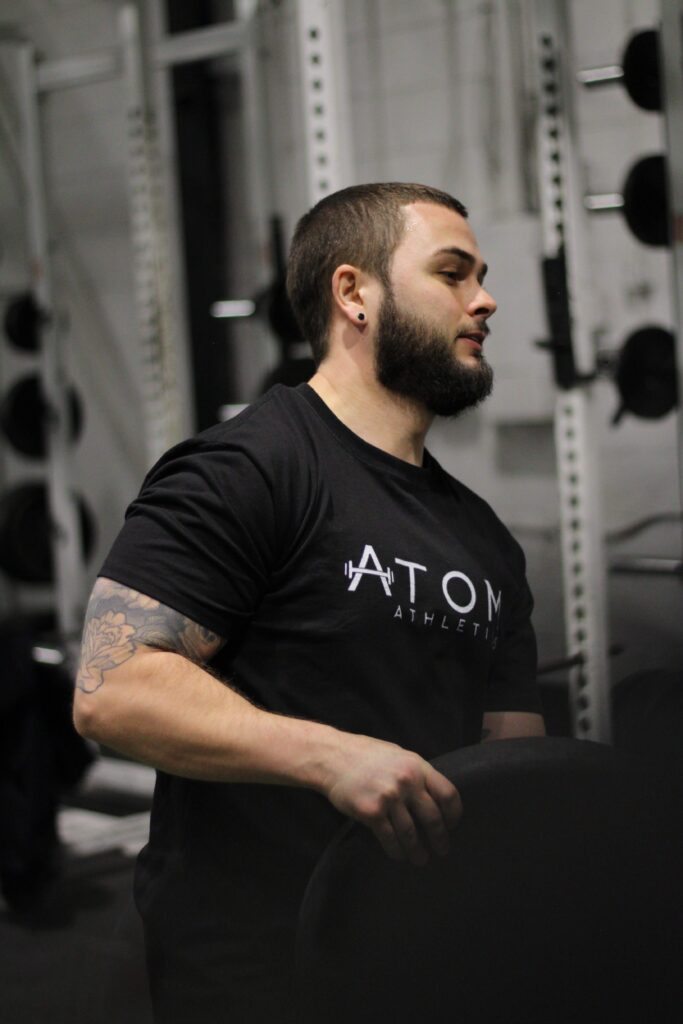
[671, 52]
[581, 526]
[129, 61]
[584, 565]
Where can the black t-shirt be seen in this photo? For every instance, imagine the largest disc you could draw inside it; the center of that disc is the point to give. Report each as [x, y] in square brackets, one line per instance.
[352, 588]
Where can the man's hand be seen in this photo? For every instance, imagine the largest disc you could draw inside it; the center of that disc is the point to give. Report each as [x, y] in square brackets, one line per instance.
[408, 805]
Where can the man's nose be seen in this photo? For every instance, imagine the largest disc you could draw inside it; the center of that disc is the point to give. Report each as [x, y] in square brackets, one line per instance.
[483, 304]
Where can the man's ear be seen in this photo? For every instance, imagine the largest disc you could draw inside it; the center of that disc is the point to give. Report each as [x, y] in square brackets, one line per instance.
[348, 293]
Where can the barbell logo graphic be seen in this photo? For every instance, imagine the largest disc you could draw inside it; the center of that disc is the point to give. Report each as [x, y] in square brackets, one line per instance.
[356, 572]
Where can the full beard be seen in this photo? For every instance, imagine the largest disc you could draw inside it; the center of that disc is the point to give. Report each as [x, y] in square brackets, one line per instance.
[417, 362]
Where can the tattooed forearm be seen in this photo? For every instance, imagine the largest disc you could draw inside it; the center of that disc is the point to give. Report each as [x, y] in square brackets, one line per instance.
[119, 621]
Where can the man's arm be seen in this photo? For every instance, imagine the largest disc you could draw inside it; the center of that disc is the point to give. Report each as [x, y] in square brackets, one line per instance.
[510, 725]
[142, 689]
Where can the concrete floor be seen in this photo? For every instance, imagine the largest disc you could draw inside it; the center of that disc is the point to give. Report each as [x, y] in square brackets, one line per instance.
[78, 957]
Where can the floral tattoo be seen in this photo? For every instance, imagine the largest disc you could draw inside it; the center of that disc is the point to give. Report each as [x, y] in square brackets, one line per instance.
[119, 621]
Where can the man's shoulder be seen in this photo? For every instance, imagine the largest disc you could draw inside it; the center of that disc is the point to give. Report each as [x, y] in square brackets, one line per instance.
[246, 461]
[267, 433]
[266, 421]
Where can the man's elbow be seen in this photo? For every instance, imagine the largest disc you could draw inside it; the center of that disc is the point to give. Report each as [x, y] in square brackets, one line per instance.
[99, 714]
[87, 716]
[509, 725]
[108, 707]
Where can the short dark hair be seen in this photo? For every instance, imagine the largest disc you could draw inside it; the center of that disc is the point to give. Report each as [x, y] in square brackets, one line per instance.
[361, 225]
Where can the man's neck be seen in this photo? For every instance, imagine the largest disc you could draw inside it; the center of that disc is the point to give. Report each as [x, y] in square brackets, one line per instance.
[384, 420]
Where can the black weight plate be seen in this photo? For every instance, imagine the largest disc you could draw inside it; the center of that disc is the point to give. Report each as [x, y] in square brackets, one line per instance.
[22, 322]
[641, 67]
[561, 900]
[26, 533]
[646, 373]
[646, 205]
[22, 416]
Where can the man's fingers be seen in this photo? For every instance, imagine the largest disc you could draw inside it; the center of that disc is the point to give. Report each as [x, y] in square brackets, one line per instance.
[386, 834]
[408, 836]
[415, 826]
[446, 796]
[408, 805]
[430, 821]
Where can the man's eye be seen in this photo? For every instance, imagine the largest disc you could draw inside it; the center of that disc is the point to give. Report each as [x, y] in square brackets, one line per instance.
[453, 275]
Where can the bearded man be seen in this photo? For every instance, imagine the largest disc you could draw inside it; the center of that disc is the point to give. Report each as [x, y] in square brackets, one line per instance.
[303, 608]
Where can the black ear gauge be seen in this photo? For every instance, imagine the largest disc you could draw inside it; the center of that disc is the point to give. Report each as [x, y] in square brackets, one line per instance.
[361, 316]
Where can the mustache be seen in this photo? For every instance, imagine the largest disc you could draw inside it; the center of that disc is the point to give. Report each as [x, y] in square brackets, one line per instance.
[478, 327]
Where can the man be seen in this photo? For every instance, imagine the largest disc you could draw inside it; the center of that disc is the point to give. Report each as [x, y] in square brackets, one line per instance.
[369, 611]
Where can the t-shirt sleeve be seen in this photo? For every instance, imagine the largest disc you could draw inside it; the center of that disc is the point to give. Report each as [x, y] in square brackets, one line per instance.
[201, 536]
[512, 683]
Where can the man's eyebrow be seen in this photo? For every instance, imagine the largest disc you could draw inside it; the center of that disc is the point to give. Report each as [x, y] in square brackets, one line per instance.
[463, 254]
